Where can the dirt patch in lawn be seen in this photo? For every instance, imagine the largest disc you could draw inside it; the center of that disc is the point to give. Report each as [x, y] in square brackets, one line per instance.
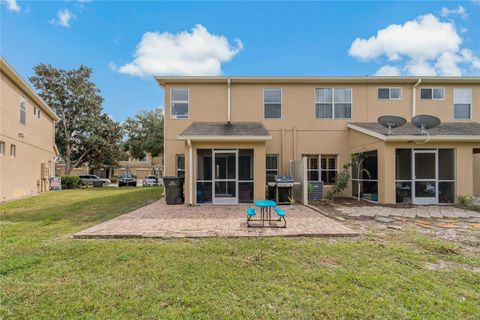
[443, 265]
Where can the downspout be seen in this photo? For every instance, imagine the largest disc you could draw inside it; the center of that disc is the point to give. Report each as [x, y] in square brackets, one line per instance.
[228, 100]
[414, 97]
[294, 143]
[282, 151]
[190, 172]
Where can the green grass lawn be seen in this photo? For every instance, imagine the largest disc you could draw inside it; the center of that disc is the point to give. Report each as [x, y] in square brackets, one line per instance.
[46, 274]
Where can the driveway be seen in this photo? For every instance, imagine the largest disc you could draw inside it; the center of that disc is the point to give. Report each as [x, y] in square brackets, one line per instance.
[159, 220]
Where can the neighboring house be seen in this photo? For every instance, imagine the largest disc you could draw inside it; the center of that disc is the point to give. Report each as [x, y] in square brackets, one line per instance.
[142, 167]
[27, 138]
[225, 135]
[83, 169]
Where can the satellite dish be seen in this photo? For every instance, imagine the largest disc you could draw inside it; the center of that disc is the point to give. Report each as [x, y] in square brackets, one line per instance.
[391, 122]
[425, 122]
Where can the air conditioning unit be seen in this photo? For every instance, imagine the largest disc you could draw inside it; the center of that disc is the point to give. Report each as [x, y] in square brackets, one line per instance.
[21, 134]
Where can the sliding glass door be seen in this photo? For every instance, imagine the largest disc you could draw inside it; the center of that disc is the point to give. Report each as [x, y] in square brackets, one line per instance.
[425, 184]
[225, 175]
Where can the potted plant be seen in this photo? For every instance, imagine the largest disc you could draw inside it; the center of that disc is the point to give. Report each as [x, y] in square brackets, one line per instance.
[292, 202]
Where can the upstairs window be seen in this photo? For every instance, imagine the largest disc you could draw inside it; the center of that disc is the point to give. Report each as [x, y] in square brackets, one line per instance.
[272, 103]
[36, 112]
[13, 151]
[179, 103]
[432, 93]
[389, 93]
[333, 103]
[462, 103]
[23, 110]
[2, 148]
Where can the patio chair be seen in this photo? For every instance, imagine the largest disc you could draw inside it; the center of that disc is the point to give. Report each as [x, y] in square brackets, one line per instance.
[250, 214]
[281, 214]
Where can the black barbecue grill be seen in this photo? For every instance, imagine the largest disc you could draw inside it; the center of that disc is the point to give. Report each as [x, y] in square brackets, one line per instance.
[281, 189]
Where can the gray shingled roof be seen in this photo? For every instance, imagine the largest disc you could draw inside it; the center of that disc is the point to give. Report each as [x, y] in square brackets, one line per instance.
[444, 129]
[224, 129]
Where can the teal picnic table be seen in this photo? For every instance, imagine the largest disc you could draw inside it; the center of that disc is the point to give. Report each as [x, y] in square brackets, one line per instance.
[266, 209]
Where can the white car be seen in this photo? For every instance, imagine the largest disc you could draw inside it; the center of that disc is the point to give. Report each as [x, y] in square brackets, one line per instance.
[150, 181]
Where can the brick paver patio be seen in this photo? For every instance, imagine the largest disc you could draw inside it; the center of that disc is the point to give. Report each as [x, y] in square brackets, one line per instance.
[159, 220]
[424, 212]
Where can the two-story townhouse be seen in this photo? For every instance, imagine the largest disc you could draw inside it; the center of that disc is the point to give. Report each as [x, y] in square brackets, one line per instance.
[226, 135]
[27, 138]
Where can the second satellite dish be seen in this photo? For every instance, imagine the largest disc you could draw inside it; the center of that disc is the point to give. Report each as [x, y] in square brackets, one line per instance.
[391, 122]
[425, 122]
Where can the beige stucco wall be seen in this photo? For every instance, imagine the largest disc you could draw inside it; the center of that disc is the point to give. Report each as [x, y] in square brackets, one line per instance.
[21, 176]
[298, 132]
[476, 174]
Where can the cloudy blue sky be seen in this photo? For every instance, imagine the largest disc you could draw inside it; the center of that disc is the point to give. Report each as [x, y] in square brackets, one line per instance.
[127, 42]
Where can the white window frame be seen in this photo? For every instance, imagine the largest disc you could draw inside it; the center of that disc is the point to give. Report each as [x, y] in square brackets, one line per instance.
[267, 170]
[175, 117]
[433, 98]
[13, 151]
[333, 103]
[319, 164]
[471, 104]
[177, 169]
[23, 108]
[390, 93]
[281, 103]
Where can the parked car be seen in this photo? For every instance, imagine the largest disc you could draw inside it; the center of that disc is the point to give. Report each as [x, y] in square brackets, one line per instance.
[149, 181]
[127, 179]
[88, 179]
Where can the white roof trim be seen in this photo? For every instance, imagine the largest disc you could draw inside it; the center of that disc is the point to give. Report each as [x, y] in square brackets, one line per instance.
[367, 132]
[24, 87]
[224, 138]
[458, 138]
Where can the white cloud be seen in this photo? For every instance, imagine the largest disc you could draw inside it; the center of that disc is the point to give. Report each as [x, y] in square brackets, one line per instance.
[12, 5]
[388, 70]
[445, 12]
[63, 18]
[422, 46]
[198, 52]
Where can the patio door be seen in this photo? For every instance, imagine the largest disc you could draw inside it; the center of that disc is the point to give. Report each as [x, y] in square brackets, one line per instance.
[425, 177]
[225, 176]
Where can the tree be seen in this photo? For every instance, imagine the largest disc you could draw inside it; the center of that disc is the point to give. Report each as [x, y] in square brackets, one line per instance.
[82, 134]
[105, 145]
[357, 166]
[144, 134]
[342, 178]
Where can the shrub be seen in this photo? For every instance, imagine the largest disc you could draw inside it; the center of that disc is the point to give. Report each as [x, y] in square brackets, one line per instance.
[464, 201]
[70, 182]
[341, 182]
